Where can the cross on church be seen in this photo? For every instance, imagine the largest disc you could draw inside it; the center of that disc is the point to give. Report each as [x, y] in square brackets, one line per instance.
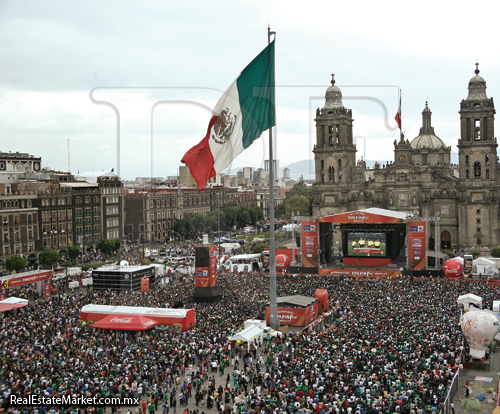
[333, 80]
[477, 69]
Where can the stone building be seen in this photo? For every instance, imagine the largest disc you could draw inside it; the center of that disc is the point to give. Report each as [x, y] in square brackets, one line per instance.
[421, 179]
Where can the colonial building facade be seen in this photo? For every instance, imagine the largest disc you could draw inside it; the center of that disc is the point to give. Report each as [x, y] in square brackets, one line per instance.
[421, 179]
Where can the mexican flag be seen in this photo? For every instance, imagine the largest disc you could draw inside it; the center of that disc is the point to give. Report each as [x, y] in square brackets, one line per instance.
[398, 115]
[245, 110]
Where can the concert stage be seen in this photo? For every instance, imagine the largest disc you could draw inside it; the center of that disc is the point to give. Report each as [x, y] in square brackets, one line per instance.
[371, 242]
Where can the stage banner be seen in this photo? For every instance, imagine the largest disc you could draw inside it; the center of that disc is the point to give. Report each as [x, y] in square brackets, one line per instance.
[26, 278]
[213, 265]
[416, 245]
[309, 244]
[202, 277]
[289, 316]
[361, 274]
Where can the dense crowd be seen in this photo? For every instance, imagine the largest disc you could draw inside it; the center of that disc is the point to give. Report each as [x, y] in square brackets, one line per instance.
[394, 348]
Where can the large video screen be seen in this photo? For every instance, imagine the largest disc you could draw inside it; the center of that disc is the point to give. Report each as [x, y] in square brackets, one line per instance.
[366, 244]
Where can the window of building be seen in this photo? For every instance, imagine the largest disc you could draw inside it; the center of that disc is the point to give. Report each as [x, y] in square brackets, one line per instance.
[340, 164]
[479, 229]
[477, 169]
[331, 174]
[330, 140]
[487, 173]
[477, 123]
[424, 159]
[467, 160]
[478, 241]
[477, 134]
[96, 199]
[466, 173]
[322, 177]
[340, 176]
[487, 159]
[478, 221]
[478, 211]
[163, 203]
[330, 129]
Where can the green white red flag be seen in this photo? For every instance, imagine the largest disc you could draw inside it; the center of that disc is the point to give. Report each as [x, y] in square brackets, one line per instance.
[245, 110]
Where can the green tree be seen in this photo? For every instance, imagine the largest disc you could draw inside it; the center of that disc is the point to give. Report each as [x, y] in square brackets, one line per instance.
[15, 263]
[231, 216]
[298, 203]
[181, 227]
[116, 244]
[258, 248]
[49, 257]
[259, 213]
[242, 217]
[475, 253]
[495, 251]
[106, 246]
[73, 252]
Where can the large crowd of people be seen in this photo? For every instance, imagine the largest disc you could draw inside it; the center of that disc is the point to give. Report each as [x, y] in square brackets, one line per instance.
[394, 348]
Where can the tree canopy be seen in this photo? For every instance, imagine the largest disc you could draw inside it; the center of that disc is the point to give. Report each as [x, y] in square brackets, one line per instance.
[108, 246]
[298, 200]
[73, 252]
[49, 257]
[15, 263]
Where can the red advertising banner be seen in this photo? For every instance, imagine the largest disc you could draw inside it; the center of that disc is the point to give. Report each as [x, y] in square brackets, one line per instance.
[145, 284]
[26, 278]
[416, 245]
[373, 274]
[47, 288]
[311, 313]
[213, 266]
[202, 277]
[309, 244]
[362, 217]
[289, 316]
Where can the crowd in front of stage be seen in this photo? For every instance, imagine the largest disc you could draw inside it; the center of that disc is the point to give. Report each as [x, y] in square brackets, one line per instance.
[393, 349]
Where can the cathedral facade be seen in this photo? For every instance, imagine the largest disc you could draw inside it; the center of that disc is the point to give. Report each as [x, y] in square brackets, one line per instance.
[420, 180]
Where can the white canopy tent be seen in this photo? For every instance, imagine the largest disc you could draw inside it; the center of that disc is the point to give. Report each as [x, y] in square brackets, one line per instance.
[248, 335]
[469, 299]
[483, 266]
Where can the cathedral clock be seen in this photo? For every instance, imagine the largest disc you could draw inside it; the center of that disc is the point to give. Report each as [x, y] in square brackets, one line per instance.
[402, 158]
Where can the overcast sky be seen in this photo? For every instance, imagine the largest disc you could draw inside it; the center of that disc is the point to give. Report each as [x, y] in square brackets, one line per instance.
[75, 70]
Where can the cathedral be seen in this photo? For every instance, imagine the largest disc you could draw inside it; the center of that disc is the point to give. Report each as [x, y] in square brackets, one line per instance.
[462, 208]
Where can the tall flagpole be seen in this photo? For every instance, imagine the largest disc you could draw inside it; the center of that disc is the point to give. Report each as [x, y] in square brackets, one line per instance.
[401, 112]
[273, 310]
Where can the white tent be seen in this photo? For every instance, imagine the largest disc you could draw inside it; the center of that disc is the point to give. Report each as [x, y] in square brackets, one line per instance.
[248, 335]
[469, 299]
[482, 266]
[16, 301]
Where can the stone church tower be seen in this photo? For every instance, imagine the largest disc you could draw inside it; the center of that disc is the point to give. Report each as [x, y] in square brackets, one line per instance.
[478, 185]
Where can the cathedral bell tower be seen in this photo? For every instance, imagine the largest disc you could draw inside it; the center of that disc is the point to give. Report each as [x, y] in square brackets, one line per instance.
[477, 144]
[334, 152]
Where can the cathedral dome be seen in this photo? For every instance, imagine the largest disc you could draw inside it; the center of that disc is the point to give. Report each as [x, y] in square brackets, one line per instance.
[429, 141]
[333, 96]
[477, 87]
[427, 138]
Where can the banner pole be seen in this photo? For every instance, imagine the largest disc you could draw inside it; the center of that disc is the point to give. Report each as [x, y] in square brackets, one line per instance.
[273, 310]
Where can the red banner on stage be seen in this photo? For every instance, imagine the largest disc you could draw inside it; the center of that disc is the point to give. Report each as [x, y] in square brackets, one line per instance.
[416, 245]
[202, 277]
[374, 274]
[213, 266]
[309, 244]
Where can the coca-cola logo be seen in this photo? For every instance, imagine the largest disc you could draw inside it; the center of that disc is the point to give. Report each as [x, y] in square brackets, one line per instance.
[121, 320]
[452, 271]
